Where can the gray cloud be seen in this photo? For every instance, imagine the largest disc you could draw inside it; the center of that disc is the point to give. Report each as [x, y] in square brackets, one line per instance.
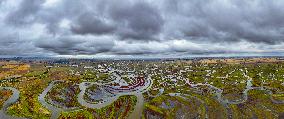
[89, 27]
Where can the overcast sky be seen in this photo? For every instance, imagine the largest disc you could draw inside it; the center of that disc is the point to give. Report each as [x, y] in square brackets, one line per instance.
[126, 28]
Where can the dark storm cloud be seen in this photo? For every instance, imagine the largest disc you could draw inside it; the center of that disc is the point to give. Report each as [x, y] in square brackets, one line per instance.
[134, 21]
[89, 23]
[132, 27]
[52, 15]
[10, 44]
[226, 21]
[24, 14]
[76, 45]
[138, 20]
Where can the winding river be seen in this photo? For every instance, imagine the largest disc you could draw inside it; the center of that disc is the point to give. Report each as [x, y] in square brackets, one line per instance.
[55, 111]
[13, 99]
[138, 109]
[110, 97]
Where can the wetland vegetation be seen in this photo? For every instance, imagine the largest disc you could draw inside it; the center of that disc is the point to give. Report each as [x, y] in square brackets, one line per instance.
[203, 88]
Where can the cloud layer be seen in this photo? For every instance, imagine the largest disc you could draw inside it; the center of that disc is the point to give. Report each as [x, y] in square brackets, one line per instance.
[135, 27]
